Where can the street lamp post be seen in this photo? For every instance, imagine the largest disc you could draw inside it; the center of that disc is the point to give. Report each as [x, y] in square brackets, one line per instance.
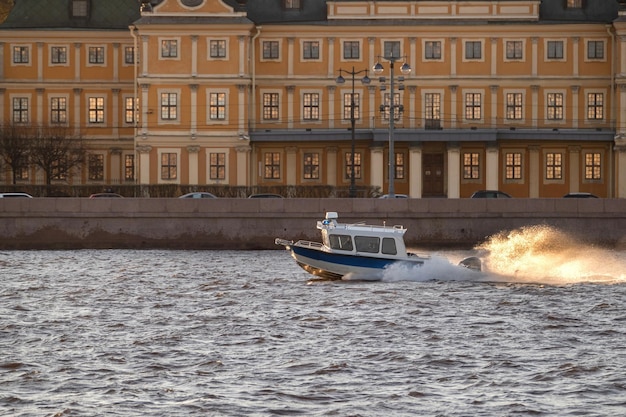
[340, 80]
[404, 69]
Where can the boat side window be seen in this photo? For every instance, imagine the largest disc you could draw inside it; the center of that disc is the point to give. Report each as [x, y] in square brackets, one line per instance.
[341, 242]
[367, 244]
[389, 246]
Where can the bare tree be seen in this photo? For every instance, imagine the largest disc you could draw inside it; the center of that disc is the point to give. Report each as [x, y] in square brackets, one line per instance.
[14, 147]
[56, 151]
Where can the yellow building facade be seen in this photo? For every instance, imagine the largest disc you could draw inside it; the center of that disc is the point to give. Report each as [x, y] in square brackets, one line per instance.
[501, 95]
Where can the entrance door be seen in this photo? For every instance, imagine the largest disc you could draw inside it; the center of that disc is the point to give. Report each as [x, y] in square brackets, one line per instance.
[432, 164]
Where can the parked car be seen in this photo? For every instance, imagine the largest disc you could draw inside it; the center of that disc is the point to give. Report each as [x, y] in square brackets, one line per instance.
[490, 194]
[580, 195]
[198, 194]
[15, 195]
[265, 195]
[106, 195]
[394, 196]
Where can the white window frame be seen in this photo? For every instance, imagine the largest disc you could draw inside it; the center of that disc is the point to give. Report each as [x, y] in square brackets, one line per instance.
[545, 101]
[605, 97]
[321, 50]
[545, 49]
[30, 55]
[280, 50]
[343, 58]
[319, 108]
[482, 105]
[442, 41]
[160, 152]
[208, 153]
[179, 97]
[504, 42]
[280, 105]
[226, 49]
[178, 48]
[67, 56]
[104, 110]
[504, 105]
[226, 93]
[604, 52]
[29, 112]
[482, 50]
[96, 64]
[66, 96]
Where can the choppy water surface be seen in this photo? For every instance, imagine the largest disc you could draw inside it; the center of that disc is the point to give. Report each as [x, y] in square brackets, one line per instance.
[195, 333]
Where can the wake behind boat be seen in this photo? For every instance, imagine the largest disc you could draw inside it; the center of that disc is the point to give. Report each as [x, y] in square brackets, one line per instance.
[362, 250]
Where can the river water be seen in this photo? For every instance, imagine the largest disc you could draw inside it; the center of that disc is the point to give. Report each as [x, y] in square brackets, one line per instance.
[245, 333]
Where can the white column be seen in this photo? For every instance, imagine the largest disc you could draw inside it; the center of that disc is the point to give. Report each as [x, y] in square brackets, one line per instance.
[39, 106]
[116, 61]
[242, 55]
[622, 48]
[193, 110]
[242, 165]
[331, 166]
[1, 60]
[575, 41]
[377, 165]
[77, 110]
[412, 107]
[331, 107]
[494, 57]
[2, 92]
[454, 171]
[575, 114]
[574, 170]
[533, 56]
[453, 99]
[192, 152]
[415, 170]
[290, 110]
[372, 105]
[330, 57]
[144, 58]
[241, 107]
[291, 165]
[194, 55]
[494, 107]
[453, 57]
[144, 114]
[144, 164]
[77, 63]
[491, 167]
[40, 62]
[621, 120]
[534, 104]
[115, 118]
[290, 57]
[534, 170]
[116, 164]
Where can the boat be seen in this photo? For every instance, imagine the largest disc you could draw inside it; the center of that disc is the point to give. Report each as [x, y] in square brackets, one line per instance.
[360, 250]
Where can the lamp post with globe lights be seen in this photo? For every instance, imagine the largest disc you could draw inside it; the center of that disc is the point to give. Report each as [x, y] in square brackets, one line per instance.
[365, 81]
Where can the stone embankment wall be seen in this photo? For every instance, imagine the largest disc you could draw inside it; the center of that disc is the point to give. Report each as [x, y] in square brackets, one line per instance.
[233, 223]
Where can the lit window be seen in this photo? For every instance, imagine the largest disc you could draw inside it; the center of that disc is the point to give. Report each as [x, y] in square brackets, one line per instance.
[130, 111]
[270, 106]
[96, 167]
[311, 166]
[514, 106]
[217, 166]
[217, 106]
[20, 54]
[169, 48]
[272, 166]
[555, 106]
[129, 55]
[217, 49]
[96, 55]
[20, 110]
[310, 50]
[513, 166]
[129, 168]
[357, 165]
[514, 50]
[574, 4]
[58, 110]
[169, 106]
[311, 106]
[347, 106]
[58, 55]
[169, 167]
[595, 106]
[399, 166]
[554, 166]
[471, 166]
[473, 106]
[432, 111]
[96, 109]
[593, 166]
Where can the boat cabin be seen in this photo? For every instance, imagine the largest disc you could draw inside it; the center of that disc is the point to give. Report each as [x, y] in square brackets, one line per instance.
[371, 240]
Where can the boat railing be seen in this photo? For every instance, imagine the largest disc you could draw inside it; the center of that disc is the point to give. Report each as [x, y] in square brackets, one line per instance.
[309, 244]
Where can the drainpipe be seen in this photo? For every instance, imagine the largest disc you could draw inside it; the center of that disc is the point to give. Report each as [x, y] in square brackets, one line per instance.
[609, 30]
[252, 107]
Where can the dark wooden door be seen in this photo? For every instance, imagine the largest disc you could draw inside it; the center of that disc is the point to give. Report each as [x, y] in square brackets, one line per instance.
[432, 175]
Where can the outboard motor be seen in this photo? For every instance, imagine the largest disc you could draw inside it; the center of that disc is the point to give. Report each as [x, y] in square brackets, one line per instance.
[472, 263]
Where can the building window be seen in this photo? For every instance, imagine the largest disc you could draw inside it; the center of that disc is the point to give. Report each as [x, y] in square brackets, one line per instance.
[311, 106]
[169, 106]
[129, 167]
[272, 166]
[59, 173]
[574, 4]
[270, 49]
[351, 50]
[169, 48]
[347, 106]
[169, 167]
[96, 167]
[554, 166]
[20, 54]
[21, 173]
[473, 106]
[513, 166]
[399, 167]
[291, 4]
[270, 106]
[130, 111]
[217, 165]
[514, 106]
[555, 49]
[129, 55]
[595, 106]
[96, 109]
[58, 110]
[96, 54]
[432, 50]
[514, 50]
[58, 55]
[20, 110]
[311, 169]
[397, 110]
[471, 166]
[392, 49]
[217, 106]
[357, 165]
[595, 50]
[555, 106]
[473, 50]
[217, 48]
[432, 111]
[310, 50]
[593, 166]
[79, 8]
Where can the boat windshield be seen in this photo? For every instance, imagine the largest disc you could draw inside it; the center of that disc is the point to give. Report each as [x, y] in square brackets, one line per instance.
[340, 242]
[389, 246]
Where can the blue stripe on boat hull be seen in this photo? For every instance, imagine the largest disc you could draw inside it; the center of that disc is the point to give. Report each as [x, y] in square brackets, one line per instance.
[335, 265]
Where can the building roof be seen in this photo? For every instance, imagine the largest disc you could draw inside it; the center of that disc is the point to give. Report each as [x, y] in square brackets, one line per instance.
[57, 14]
